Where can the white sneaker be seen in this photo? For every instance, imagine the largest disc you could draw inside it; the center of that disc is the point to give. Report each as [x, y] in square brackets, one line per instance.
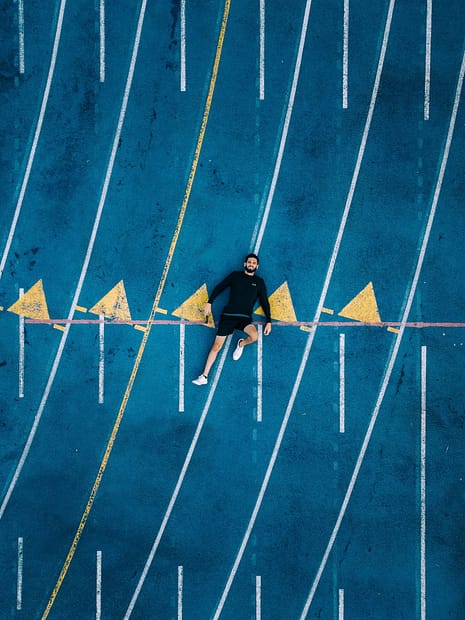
[201, 380]
[238, 350]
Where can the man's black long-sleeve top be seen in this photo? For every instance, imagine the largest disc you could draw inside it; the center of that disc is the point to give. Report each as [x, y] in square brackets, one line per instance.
[244, 292]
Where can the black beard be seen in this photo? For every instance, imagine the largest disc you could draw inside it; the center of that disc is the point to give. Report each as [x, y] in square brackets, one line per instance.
[251, 269]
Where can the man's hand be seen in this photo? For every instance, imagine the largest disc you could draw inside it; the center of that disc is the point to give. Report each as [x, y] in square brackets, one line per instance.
[208, 309]
[267, 329]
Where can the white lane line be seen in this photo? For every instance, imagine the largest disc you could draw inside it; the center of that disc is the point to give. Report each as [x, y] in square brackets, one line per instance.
[183, 46]
[19, 582]
[35, 140]
[260, 374]
[262, 51]
[258, 597]
[102, 40]
[179, 482]
[342, 382]
[423, 488]
[182, 340]
[345, 57]
[396, 345]
[311, 336]
[21, 35]
[85, 265]
[341, 604]
[101, 360]
[259, 232]
[180, 590]
[21, 352]
[429, 21]
[98, 586]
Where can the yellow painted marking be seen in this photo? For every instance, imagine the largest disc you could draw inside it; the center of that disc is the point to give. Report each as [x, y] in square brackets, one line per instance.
[81, 309]
[193, 308]
[281, 305]
[143, 344]
[1, 308]
[32, 304]
[304, 328]
[327, 310]
[394, 330]
[161, 311]
[363, 307]
[60, 327]
[141, 328]
[114, 305]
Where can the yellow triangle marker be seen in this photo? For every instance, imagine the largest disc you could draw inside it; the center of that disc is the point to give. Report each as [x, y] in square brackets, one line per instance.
[193, 308]
[281, 305]
[32, 304]
[114, 305]
[363, 307]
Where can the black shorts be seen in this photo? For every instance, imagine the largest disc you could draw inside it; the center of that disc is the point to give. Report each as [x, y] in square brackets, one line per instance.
[228, 323]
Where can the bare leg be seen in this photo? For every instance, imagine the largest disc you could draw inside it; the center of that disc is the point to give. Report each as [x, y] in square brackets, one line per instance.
[252, 335]
[216, 347]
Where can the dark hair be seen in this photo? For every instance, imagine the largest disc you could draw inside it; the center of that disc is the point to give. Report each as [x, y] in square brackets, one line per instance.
[251, 256]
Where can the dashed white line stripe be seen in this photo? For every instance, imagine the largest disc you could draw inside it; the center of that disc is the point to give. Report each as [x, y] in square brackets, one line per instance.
[429, 20]
[101, 360]
[183, 46]
[342, 382]
[180, 590]
[396, 346]
[21, 357]
[345, 57]
[21, 35]
[102, 39]
[98, 586]
[85, 265]
[182, 340]
[423, 488]
[35, 140]
[258, 597]
[262, 51]
[311, 336]
[260, 374]
[19, 583]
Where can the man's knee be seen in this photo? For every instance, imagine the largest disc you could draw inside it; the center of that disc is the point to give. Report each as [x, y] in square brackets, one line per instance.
[253, 335]
[216, 346]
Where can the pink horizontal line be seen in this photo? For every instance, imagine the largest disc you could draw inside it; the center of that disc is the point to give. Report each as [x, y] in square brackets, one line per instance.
[395, 324]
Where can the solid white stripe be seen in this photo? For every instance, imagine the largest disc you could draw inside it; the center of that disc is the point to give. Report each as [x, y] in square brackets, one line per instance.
[341, 604]
[85, 266]
[35, 140]
[396, 346]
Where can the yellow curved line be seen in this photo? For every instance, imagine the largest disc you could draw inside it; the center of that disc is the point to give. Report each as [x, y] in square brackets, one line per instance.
[156, 302]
